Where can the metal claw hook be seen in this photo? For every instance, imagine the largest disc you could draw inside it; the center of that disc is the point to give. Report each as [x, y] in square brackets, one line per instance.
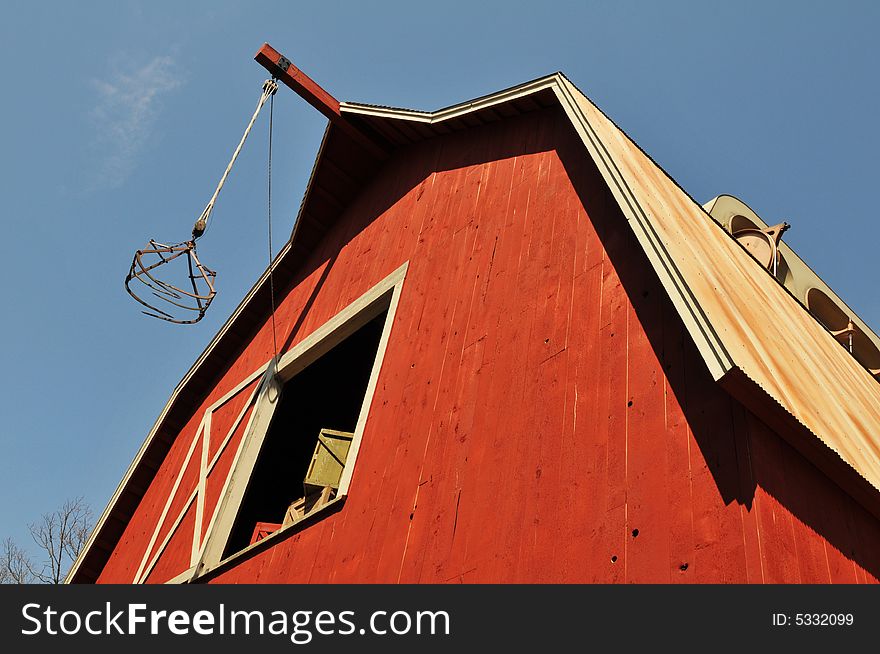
[172, 303]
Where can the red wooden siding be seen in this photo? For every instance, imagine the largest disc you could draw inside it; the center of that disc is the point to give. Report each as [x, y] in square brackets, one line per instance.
[176, 556]
[541, 414]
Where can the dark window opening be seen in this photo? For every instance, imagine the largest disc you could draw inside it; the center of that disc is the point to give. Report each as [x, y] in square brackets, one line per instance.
[304, 450]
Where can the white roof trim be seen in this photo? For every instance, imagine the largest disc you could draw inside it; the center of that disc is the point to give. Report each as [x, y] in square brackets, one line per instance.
[454, 111]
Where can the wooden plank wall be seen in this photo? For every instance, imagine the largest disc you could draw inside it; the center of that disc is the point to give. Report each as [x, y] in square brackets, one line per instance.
[541, 415]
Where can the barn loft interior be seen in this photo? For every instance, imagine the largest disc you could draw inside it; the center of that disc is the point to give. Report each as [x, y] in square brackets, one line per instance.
[503, 345]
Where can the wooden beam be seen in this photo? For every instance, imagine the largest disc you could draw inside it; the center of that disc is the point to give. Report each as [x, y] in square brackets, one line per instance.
[285, 72]
[293, 77]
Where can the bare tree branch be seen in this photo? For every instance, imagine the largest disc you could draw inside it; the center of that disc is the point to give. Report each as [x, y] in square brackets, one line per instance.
[61, 535]
[15, 565]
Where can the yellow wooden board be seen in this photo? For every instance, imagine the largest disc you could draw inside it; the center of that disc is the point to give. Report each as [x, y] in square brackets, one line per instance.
[328, 461]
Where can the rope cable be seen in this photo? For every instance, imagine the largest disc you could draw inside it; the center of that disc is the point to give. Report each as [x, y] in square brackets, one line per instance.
[201, 225]
[188, 302]
[269, 214]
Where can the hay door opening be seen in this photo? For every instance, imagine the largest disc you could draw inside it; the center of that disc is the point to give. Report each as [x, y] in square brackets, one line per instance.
[304, 452]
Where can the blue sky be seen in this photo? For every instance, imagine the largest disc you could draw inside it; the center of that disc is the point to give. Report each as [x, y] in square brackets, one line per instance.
[119, 117]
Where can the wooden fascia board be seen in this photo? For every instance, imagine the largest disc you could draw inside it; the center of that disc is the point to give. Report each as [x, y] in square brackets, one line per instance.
[708, 342]
[454, 111]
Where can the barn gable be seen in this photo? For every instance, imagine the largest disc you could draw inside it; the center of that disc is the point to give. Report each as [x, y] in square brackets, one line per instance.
[757, 340]
[730, 306]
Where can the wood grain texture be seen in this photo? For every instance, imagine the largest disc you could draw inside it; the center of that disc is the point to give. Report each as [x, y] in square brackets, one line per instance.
[540, 399]
[766, 332]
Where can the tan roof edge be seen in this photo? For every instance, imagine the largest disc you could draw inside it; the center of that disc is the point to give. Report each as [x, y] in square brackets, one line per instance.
[706, 339]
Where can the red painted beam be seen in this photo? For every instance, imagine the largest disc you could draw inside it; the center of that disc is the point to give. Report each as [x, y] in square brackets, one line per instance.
[293, 77]
[285, 72]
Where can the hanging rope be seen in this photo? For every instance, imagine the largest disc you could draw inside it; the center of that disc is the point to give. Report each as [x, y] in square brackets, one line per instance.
[269, 213]
[186, 301]
[269, 88]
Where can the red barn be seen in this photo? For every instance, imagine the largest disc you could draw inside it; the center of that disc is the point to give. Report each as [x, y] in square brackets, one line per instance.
[511, 349]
